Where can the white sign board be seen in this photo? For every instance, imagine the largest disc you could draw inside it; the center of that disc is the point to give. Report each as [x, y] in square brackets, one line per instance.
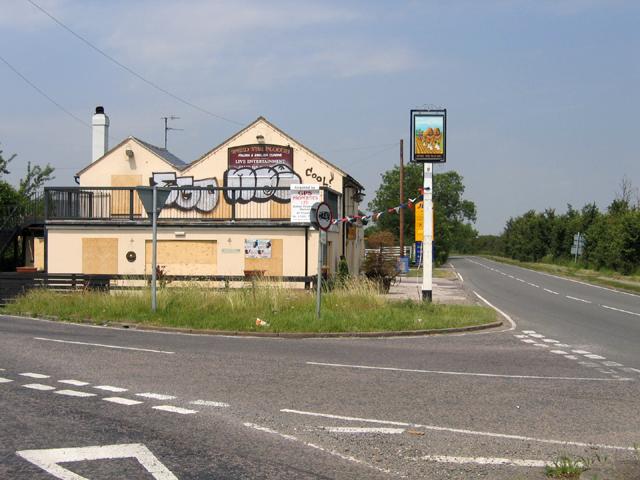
[303, 196]
[254, 248]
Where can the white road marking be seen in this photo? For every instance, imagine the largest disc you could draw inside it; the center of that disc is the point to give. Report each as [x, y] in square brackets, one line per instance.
[612, 364]
[543, 345]
[534, 285]
[536, 335]
[5, 380]
[103, 345]
[74, 393]
[313, 445]
[122, 401]
[563, 345]
[620, 310]
[109, 388]
[76, 383]
[485, 461]
[457, 430]
[513, 324]
[520, 336]
[550, 340]
[511, 276]
[155, 396]
[528, 331]
[589, 364]
[593, 356]
[577, 299]
[209, 403]
[528, 340]
[172, 409]
[385, 430]
[461, 279]
[551, 291]
[39, 386]
[559, 352]
[48, 460]
[34, 375]
[571, 357]
[630, 369]
[471, 374]
[520, 280]
[581, 352]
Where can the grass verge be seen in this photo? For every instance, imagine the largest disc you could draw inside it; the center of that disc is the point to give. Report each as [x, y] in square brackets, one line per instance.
[613, 280]
[357, 307]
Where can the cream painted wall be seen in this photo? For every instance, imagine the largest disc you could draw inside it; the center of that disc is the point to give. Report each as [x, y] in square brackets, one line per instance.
[304, 163]
[116, 162]
[65, 247]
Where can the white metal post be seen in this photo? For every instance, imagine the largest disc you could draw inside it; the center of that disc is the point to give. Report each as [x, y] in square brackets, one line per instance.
[319, 281]
[154, 250]
[427, 241]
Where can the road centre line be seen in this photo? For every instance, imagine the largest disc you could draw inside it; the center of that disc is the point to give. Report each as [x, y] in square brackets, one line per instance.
[533, 285]
[485, 461]
[620, 310]
[122, 401]
[172, 409]
[386, 430]
[312, 445]
[470, 374]
[550, 291]
[39, 386]
[5, 380]
[513, 324]
[33, 375]
[459, 430]
[76, 383]
[103, 345]
[577, 299]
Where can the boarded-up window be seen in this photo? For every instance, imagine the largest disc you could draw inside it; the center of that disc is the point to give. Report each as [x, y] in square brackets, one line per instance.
[121, 200]
[100, 255]
[271, 267]
[184, 257]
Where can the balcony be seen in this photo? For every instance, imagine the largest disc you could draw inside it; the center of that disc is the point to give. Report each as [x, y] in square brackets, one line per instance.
[192, 205]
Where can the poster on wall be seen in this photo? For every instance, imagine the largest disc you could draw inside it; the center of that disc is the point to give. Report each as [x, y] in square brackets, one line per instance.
[254, 248]
[303, 196]
[428, 136]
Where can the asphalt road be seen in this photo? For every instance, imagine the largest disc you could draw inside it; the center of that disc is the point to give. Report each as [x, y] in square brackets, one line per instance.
[495, 405]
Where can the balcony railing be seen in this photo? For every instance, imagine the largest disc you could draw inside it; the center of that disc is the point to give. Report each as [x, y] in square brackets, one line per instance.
[184, 204]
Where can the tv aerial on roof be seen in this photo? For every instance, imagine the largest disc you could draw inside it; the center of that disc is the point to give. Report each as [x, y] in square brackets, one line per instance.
[167, 127]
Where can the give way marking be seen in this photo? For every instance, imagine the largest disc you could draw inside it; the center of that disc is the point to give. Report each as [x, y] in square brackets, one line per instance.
[49, 459]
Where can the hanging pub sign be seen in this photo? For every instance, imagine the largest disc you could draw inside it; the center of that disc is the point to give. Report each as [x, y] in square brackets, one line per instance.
[260, 155]
[429, 136]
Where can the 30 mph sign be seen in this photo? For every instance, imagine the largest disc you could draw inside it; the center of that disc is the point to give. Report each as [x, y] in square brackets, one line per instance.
[321, 216]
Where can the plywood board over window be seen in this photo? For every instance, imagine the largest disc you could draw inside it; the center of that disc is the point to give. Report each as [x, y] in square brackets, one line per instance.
[184, 257]
[120, 199]
[100, 255]
[272, 267]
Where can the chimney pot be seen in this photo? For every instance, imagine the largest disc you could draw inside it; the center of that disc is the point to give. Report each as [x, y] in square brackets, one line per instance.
[99, 109]
[100, 134]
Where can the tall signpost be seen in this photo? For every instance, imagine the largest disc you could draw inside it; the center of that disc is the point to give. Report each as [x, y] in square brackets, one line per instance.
[428, 146]
[321, 217]
[153, 199]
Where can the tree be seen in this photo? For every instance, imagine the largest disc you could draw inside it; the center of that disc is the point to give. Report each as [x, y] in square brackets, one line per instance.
[453, 214]
[33, 181]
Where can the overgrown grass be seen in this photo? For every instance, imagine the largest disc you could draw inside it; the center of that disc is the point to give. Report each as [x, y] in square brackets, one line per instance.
[630, 283]
[356, 307]
[567, 467]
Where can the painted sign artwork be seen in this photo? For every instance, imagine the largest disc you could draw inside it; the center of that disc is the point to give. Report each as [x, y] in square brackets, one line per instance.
[257, 248]
[201, 200]
[428, 136]
[262, 169]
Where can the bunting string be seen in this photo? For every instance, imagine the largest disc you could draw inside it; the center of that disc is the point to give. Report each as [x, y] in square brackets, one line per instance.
[374, 217]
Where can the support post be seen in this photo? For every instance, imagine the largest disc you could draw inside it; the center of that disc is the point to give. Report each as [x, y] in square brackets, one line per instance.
[319, 281]
[401, 211]
[427, 242]
[154, 250]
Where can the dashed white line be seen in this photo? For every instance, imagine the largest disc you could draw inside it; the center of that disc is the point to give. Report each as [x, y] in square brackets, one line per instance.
[209, 403]
[620, 310]
[172, 409]
[461, 279]
[571, 357]
[109, 388]
[103, 345]
[520, 336]
[550, 340]
[5, 380]
[577, 299]
[563, 345]
[612, 364]
[439, 372]
[34, 375]
[386, 430]
[528, 340]
[520, 280]
[76, 383]
[533, 285]
[457, 430]
[39, 386]
[122, 401]
[559, 352]
[589, 364]
[551, 291]
[155, 396]
[74, 393]
[485, 461]
[536, 335]
[543, 345]
[581, 352]
[630, 369]
[528, 331]
[593, 356]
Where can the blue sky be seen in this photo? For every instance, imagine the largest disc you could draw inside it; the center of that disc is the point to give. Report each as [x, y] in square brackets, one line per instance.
[542, 96]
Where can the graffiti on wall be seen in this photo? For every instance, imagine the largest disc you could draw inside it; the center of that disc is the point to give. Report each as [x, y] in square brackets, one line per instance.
[322, 179]
[201, 200]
